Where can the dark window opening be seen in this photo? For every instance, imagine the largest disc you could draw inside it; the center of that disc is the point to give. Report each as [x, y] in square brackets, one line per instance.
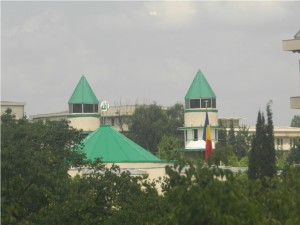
[214, 105]
[194, 103]
[77, 108]
[195, 131]
[88, 108]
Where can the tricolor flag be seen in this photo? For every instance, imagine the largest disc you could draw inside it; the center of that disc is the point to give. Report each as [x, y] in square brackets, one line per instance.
[208, 146]
[207, 138]
[205, 125]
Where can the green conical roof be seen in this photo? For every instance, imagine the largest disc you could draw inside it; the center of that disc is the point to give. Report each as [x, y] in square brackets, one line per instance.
[200, 88]
[83, 93]
[112, 147]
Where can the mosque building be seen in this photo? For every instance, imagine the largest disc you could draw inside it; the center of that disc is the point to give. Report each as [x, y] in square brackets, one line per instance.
[84, 112]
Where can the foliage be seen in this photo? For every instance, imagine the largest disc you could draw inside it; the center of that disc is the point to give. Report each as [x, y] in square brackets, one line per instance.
[262, 161]
[148, 126]
[198, 194]
[175, 115]
[231, 135]
[242, 142]
[281, 160]
[105, 196]
[294, 154]
[150, 123]
[295, 121]
[222, 135]
[223, 155]
[35, 159]
[167, 148]
[36, 188]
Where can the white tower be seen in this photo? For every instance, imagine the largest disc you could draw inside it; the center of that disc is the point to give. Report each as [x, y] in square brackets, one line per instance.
[199, 100]
[83, 107]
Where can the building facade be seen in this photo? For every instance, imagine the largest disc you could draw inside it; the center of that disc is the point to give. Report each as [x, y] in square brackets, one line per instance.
[200, 101]
[293, 45]
[16, 107]
[285, 136]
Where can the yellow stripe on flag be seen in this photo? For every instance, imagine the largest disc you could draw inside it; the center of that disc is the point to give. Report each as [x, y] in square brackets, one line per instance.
[208, 136]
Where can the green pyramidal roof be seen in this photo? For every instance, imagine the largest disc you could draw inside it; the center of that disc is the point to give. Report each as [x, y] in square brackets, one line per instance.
[83, 93]
[200, 88]
[112, 147]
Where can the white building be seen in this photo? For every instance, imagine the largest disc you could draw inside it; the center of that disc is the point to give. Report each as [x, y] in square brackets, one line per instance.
[16, 107]
[285, 136]
[293, 45]
[199, 101]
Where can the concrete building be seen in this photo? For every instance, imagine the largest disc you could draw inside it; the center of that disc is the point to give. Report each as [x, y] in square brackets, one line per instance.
[16, 107]
[285, 136]
[293, 45]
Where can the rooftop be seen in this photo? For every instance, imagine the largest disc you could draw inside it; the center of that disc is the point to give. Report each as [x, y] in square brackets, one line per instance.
[83, 93]
[200, 88]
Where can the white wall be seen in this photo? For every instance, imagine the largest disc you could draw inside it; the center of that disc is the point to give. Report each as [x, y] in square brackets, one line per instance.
[85, 123]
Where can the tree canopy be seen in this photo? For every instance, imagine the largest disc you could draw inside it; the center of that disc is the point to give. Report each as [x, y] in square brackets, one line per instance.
[36, 188]
[295, 121]
[149, 123]
[262, 160]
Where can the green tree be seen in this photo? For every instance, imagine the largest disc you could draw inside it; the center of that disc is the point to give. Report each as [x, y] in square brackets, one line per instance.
[294, 154]
[105, 196]
[222, 134]
[168, 148]
[150, 123]
[242, 142]
[262, 159]
[175, 115]
[35, 158]
[231, 135]
[36, 188]
[295, 121]
[269, 166]
[198, 194]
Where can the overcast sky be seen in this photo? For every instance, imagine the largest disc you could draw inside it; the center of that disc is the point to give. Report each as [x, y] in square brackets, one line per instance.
[140, 52]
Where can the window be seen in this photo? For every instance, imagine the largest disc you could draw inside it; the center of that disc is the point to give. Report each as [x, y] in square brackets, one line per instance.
[187, 103]
[185, 133]
[88, 108]
[195, 132]
[200, 103]
[205, 103]
[77, 108]
[194, 103]
[96, 108]
[213, 103]
[293, 142]
[279, 141]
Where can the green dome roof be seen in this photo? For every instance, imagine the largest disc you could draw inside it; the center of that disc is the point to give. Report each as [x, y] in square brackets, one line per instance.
[112, 147]
[200, 88]
[83, 93]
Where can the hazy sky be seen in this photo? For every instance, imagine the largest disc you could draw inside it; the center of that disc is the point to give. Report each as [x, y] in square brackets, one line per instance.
[150, 51]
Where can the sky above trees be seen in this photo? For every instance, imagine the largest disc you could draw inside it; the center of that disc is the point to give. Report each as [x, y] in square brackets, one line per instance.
[140, 52]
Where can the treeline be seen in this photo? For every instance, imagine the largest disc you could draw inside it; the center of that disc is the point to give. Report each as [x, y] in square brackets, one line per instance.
[36, 188]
